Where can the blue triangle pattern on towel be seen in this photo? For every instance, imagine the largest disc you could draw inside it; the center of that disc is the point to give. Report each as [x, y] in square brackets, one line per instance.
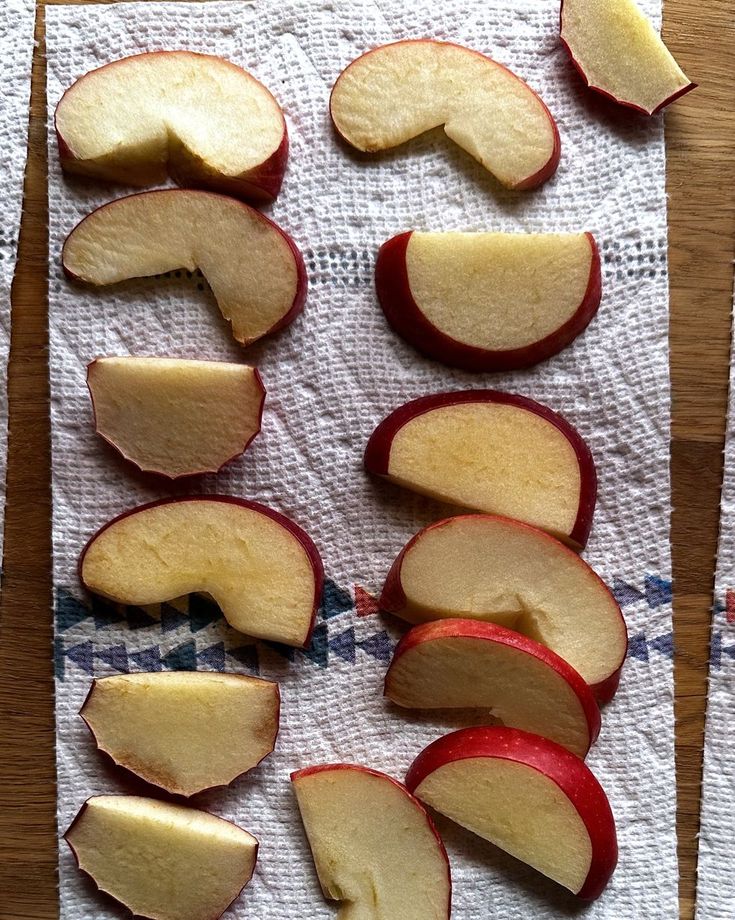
[246, 655]
[663, 644]
[624, 593]
[138, 619]
[212, 658]
[343, 645]
[638, 647]
[172, 619]
[116, 656]
[106, 612]
[658, 591]
[378, 646]
[202, 612]
[148, 659]
[83, 656]
[181, 658]
[335, 600]
[318, 650]
[69, 610]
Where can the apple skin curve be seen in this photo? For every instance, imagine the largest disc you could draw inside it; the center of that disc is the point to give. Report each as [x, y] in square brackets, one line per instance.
[565, 769]
[377, 451]
[405, 318]
[303, 538]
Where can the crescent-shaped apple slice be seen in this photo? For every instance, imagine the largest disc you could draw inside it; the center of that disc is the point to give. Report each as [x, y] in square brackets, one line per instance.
[197, 118]
[528, 796]
[492, 452]
[254, 269]
[162, 861]
[398, 91]
[374, 846]
[262, 570]
[489, 301]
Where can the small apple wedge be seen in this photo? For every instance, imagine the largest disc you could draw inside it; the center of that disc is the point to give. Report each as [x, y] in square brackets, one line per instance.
[162, 861]
[254, 269]
[528, 796]
[374, 846]
[465, 664]
[619, 54]
[184, 731]
[492, 452]
[489, 301]
[197, 118]
[493, 569]
[398, 91]
[176, 417]
[262, 570]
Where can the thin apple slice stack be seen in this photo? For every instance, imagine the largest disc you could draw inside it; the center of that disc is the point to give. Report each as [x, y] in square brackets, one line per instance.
[374, 846]
[262, 570]
[162, 861]
[528, 796]
[254, 269]
[489, 301]
[398, 91]
[197, 118]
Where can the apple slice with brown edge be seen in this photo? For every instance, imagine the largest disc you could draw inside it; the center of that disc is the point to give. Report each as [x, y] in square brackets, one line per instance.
[619, 54]
[398, 91]
[184, 731]
[374, 845]
[466, 664]
[492, 452]
[162, 861]
[173, 416]
[261, 568]
[497, 570]
[254, 269]
[489, 301]
[527, 795]
[200, 119]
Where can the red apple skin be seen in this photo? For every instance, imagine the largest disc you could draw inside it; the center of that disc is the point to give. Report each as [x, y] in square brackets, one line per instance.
[303, 538]
[405, 317]
[538, 178]
[552, 760]
[377, 452]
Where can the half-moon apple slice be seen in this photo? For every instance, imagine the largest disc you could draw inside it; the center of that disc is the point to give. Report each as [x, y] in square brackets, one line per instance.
[528, 796]
[491, 452]
[260, 568]
[494, 569]
[398, 91]
[197, 118]
[374, 846]
[254, 269]
[489, 301]
[464, 664]
[184, 731]
[162, 861]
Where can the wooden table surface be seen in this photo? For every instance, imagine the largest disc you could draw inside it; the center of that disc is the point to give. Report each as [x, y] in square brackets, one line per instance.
[700, 131]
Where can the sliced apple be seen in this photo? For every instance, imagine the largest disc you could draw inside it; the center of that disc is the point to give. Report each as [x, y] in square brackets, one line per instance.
[162, 861]
[619, 54]
[528, 796]
[184, 731]
[197, 118]
[489, 301]
[491, 452]
[398, 91]
[261, 569]
[254, 269]
[374, 845]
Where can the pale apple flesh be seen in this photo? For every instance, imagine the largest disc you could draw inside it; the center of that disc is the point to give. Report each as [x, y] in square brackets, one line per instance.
[262, 570]
[184, 731]
[173, 416]
[374, 846]
[398, 91]
[254, 269]
[162, 861]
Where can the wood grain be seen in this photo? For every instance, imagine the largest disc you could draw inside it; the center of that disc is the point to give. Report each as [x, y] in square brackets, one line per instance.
[701, 176]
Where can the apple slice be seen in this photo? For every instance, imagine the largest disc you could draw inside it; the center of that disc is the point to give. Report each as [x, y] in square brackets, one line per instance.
[489, 301]
[491, 452]
[398, 91]
[184, 731]
[465, 664]
[162, 861]
[528, 796]
[176, 417]
[261, 569]
[197, 118]
[619, 54]
[256, 273]
[489, 568]
[374, 845]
